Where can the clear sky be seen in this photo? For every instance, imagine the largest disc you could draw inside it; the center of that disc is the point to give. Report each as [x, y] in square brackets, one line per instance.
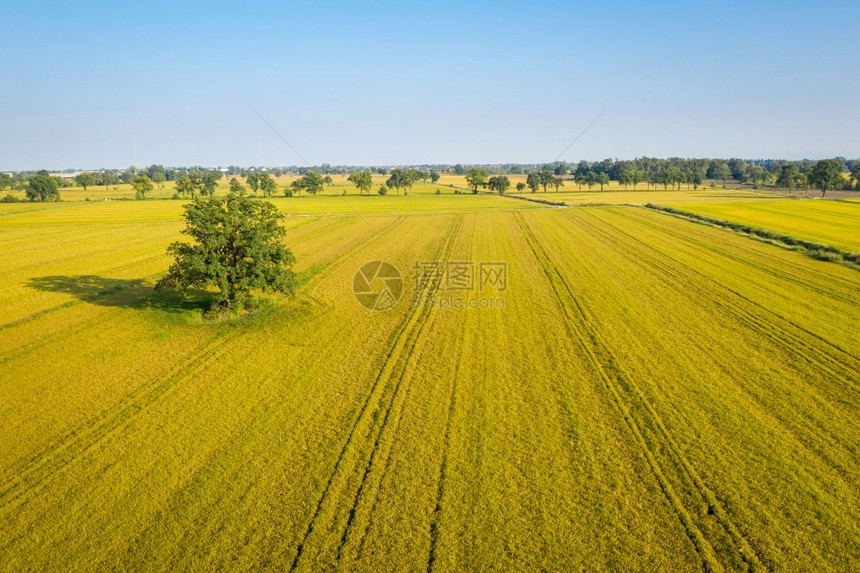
[381, 82]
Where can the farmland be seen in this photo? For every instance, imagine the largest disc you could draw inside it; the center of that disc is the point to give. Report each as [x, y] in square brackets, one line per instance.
[654, 394]
[835, 223]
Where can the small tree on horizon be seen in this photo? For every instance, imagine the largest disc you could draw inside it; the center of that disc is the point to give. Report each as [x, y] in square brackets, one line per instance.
[476, 177]
[142, 185]
[826, 174]
[85, 180]
[363, 180]
[499, 183]
[42, 187]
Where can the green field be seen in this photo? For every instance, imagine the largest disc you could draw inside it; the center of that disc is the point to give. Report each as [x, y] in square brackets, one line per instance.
[653, 394]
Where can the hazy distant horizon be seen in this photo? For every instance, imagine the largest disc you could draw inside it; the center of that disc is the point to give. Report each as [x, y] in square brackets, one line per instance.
[397, 165]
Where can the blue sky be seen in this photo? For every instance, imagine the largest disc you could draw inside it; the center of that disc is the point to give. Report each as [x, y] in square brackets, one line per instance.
[414, 82]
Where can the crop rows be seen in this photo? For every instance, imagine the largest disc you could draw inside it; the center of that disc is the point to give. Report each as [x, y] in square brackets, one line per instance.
[654, 394]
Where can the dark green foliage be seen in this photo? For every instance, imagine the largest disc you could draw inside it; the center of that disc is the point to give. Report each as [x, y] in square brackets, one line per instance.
[312, 182]
[42, 187]
[827, 174]
[189, 184]
[236, 186]
[533, 181]
[499, 183]
[85, 180]
[401, 179]
[266, 184]
[209, 181]
[363, 180]
[237, 248]
[476, 177]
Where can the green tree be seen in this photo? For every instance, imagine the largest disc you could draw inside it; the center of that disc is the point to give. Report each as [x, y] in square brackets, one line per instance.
[401, 178]
[42, 187]
[236, 186]
[521, 186]
[722, 171]
[5, 181]
[624, 178]
[434, 176]
[855, 174]
[253, 181]
[499, 183]
[311, 182]
[129, 174]
[267, 184]
[787, 176]
[142, 185]
[189, 184]
[533, 181]
[603, 179]
[546, 176]
[476, 177]
[636, 177]
[237, 247]
[209, 182]
[827, 174]
[363, 180]
[85, 180]
[159, 178]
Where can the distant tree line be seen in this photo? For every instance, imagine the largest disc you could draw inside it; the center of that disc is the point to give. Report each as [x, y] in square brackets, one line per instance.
[672, 173]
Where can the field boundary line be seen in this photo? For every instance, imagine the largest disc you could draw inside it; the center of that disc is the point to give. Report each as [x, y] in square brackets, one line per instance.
[818, 251]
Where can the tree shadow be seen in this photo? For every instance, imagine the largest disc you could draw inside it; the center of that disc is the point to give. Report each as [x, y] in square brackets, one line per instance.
[123, 293]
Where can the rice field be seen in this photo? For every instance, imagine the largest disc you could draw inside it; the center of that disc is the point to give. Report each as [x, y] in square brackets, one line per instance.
[835, 223]
[647, 394]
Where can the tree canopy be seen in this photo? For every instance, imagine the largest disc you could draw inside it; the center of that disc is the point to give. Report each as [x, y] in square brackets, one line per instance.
[312, 182]
[42, 187]
[476, 177]
[363, 180]
[237, 248]
[499, 183]
[85, 180]
[142, 185]
[189, 184]
[401, 178]
[826, 174]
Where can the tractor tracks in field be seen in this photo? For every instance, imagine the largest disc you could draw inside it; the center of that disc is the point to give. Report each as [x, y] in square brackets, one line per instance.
[639, 414]
[148, 394]
[379, 414]
[787, 338]
[784, 333]
[698, 236]
[78, 443]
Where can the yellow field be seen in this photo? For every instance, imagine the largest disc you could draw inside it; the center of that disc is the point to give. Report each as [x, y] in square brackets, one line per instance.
[835, 223]
[652, 394]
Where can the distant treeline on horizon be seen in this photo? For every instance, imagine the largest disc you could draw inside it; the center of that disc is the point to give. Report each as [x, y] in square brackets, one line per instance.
[673, 170]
